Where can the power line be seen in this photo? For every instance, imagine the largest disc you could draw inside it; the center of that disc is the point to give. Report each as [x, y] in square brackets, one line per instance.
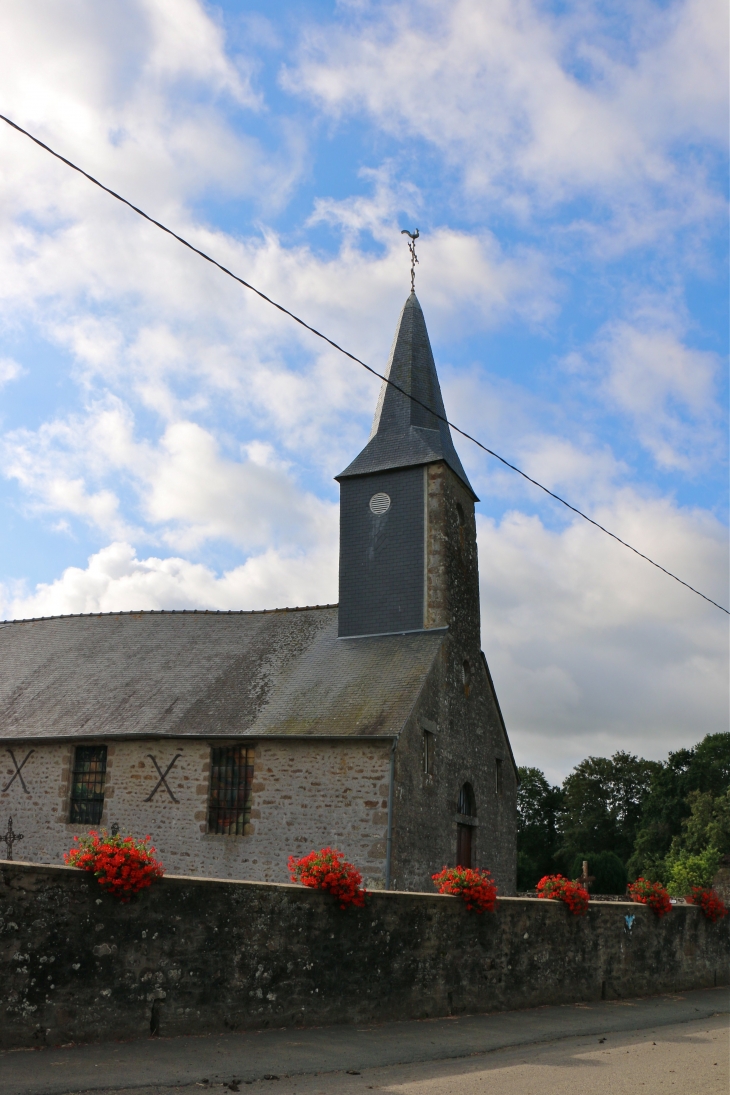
[352, 357]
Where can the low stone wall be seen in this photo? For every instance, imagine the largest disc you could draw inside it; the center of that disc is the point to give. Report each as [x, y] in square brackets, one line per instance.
[195, 955]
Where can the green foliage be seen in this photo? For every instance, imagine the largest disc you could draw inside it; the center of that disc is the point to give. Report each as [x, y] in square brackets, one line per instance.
[538, 806]
[602, 804]
[669, 822]
[705, 769]
[694, 857]
[686, 870]
[609, 873]
[708, 823]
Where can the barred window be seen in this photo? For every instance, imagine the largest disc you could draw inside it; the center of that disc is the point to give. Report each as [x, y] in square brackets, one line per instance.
[231, 777]
[87, 784]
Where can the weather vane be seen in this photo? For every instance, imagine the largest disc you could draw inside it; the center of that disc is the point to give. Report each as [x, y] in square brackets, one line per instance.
[414, 256]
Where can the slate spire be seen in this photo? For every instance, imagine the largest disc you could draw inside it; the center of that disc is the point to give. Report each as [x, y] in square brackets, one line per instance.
[404, 433]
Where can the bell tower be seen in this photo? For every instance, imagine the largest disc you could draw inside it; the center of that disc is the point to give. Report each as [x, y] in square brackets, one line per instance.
[408, 558]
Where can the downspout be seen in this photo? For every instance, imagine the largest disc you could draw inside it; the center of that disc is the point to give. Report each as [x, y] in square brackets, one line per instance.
[389, 840]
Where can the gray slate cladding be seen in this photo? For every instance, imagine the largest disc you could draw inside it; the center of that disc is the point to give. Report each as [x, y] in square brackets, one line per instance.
[198, 674]
[382, 554]
[404, 433]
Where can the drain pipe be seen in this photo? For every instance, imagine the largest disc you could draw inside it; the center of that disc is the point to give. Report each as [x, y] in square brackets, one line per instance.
[389, 841]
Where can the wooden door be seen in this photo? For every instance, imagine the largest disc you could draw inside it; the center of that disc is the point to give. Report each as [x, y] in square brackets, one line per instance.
[463, 845]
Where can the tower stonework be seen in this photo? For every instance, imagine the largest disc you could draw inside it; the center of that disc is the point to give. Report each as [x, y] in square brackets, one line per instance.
[408, 564]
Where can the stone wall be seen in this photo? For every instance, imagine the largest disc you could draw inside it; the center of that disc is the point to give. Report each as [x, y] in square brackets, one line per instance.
[306, 794]
[195, 956]
[468, 736]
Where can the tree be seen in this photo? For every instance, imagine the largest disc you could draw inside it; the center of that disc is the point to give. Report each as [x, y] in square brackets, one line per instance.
[603, 800]
[704, 769]
[708, 823]
[538, 805]
[696, 852]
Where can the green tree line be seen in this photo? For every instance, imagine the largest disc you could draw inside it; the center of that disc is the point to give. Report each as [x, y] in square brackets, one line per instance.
[666, 820]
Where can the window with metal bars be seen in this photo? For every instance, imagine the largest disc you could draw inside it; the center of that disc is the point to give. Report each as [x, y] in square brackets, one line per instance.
[231, 777]
[87, 784]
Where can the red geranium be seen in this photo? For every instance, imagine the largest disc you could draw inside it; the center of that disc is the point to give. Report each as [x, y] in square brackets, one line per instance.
[652, 894]
[710, 902]
[477, 887]
[121, 864]
[556, 887]
[328, 870]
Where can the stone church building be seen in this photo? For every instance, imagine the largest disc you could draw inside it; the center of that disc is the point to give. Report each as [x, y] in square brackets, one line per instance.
[239, 738]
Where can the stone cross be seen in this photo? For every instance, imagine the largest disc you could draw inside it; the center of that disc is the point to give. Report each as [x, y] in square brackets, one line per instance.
[10, 838]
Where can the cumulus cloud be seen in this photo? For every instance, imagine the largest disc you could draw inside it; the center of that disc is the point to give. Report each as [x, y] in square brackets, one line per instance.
[531, 106]
[591, 648]
[667, 388]
[9, 370]
[188, 491]
[115, 580]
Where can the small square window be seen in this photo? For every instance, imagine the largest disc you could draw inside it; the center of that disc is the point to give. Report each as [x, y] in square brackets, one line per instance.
[231, 778]
[498, 775]
[87, 784]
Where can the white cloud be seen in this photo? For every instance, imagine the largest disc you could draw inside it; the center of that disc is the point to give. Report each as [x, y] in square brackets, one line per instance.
[591, 648]
[187, 491]
[9, 370]
[667, 388]
[51, 467]
[643, 368]
[536, 107]
[249, 503]
[180, 337]
[115, 580]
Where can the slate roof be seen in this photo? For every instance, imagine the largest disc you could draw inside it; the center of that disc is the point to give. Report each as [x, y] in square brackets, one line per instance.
[405, 433]
[281, 673]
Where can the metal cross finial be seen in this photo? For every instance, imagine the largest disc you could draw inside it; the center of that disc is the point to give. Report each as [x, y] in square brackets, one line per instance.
[414, 256]
[10, 837]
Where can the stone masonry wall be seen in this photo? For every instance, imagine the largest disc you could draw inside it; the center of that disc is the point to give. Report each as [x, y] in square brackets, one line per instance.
[459, 710]
[198, 955]
[306, 794]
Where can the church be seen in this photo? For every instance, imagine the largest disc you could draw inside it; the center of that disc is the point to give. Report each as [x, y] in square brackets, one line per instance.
[237, 739]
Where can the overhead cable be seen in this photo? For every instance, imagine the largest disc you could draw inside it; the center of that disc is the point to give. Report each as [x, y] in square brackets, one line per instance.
[357, 360]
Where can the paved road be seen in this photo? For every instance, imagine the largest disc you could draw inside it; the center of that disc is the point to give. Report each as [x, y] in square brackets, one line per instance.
[616, 1047]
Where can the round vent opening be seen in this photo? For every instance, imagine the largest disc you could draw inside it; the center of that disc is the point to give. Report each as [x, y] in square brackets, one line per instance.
[380, 503]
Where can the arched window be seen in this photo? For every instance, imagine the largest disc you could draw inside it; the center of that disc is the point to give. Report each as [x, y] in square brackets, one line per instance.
[466, 807]
[467, 803]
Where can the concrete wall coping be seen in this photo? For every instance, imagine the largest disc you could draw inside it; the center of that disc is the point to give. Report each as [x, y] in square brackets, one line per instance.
[300, 890]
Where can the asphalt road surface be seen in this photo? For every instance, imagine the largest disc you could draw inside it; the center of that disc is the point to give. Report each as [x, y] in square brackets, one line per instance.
[672, 1043]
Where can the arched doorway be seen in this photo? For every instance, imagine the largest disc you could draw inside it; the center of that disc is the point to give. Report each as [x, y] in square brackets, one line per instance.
[466, 808]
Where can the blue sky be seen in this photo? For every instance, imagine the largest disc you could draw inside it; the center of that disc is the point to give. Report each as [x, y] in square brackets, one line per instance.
[169, 441]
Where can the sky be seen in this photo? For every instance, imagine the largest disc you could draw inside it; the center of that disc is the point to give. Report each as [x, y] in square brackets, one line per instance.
[168, 440]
